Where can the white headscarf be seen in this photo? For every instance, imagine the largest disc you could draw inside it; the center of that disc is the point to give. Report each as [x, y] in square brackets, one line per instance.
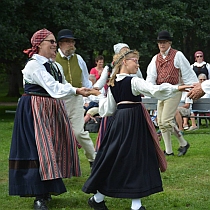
[119, 46]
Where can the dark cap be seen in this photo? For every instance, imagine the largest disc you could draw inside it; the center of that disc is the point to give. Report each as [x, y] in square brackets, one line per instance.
[65, 33]
[164, 35]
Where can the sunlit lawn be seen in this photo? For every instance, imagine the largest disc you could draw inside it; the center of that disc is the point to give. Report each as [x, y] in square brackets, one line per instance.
[186, 181]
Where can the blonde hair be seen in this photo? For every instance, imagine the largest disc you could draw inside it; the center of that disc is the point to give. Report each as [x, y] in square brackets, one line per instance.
[118, 62]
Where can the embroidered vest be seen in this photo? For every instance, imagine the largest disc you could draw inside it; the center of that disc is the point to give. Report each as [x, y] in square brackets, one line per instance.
[166, 71]
[71, 69]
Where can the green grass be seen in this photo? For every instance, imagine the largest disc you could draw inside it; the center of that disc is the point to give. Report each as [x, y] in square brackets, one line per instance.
[186, 181]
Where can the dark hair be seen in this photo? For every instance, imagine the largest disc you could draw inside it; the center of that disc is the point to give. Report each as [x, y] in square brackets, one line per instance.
[99, 57]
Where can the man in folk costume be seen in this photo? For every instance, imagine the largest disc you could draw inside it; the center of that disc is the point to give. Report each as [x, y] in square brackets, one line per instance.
[170, 66]
[76, 73]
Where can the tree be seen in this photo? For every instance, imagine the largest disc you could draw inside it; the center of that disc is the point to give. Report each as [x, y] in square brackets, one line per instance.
[101, 24]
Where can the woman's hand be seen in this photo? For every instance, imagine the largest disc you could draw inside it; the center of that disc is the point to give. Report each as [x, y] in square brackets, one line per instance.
[185, 88]
[83, 91]
[94, 92]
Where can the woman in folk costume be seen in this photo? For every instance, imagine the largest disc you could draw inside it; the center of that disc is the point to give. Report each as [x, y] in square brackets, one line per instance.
[200, 66]
[43, 148]
[102, 82]
[128, 160]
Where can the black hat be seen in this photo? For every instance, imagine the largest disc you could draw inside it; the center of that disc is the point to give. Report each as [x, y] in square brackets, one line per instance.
[164, 35]
[65, 33]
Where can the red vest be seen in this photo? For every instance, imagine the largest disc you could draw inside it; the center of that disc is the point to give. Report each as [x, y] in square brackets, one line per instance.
[166, 71]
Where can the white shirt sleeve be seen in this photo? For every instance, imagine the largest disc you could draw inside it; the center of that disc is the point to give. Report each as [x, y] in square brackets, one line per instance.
[187, 74]
[85, 75]
[161, 92]
[206, 86]
[103, 78]
[35, 73]
[152, 71]
[107, 105]
[208, 68]
[188, 100]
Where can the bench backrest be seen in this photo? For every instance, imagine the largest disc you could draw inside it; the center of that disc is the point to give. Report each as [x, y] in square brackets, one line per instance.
[150, 103]
[202, 104]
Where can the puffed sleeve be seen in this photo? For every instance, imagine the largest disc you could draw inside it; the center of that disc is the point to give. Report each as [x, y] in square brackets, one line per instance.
[107, 105]
[161, 92]
[103, 78]
[37, 74]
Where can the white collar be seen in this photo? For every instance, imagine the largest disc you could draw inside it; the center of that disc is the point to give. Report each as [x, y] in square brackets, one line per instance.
[63, 56]
[41, 59]
[122, 76]
[199, 64]
[166, 52]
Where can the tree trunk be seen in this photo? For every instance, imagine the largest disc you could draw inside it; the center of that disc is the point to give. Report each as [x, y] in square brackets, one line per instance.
[14, 78]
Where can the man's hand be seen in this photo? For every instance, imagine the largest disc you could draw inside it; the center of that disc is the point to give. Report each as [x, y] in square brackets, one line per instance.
[196, 92]
[87, 91]
[83, 91]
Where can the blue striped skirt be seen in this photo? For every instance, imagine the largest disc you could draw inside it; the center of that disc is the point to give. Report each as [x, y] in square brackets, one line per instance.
[43, 148]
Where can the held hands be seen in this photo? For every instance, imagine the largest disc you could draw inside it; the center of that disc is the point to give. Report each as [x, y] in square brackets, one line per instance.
[94, 92]
[87, 91]
[196, 92]
[83, 91]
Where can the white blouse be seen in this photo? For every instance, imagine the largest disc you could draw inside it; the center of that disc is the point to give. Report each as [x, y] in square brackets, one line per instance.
[104, 76]
[201, 64]
[107, 105]
[35, 73]
[205, 85]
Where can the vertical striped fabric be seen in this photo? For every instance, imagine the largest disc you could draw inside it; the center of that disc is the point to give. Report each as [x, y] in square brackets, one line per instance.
[160, 154]
[166, 71]
[56, 143]
[101, 133]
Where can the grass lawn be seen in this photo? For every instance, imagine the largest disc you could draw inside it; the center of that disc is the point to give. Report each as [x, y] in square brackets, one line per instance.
[186, 181]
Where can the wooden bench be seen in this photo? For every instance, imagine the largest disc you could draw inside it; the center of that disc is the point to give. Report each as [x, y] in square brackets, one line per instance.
[200, 107]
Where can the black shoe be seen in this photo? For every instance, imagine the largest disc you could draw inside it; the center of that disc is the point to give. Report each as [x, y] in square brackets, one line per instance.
[166, 154]
[91, 164]
[183, 150]
[141, 208]
[40, 204]
[97, 206]
[47, 198]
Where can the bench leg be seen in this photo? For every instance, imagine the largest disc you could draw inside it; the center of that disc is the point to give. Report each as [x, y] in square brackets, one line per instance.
[198, 121]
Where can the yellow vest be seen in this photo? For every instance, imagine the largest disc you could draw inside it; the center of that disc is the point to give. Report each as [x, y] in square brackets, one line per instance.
[72, 70]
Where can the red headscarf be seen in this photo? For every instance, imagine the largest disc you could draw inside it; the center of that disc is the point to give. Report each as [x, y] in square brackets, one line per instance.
[198, 53]
[36, 40]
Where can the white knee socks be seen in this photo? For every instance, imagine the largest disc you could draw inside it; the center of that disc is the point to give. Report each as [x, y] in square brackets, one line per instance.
[167, 141]
[136, 204]
[98, 197]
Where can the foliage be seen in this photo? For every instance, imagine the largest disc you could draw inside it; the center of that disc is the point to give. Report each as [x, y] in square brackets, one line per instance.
[101, 24]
